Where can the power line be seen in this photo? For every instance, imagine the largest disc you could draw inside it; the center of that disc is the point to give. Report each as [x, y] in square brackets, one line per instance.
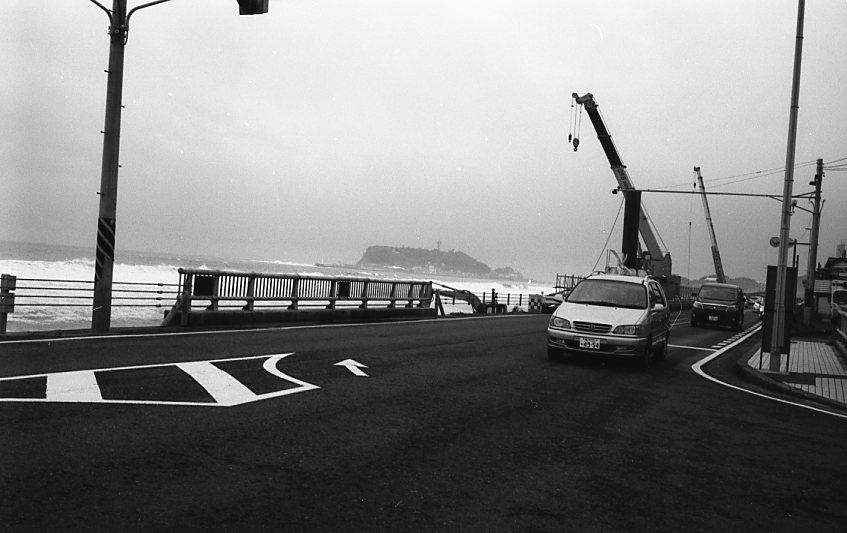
[747, 176]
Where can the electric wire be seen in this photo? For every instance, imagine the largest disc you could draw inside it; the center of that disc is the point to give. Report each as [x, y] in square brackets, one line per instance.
[747, 176]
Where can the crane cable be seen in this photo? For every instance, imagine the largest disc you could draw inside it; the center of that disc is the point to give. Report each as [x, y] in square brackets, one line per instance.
[575, 124]
[690, 219]
[609, 236]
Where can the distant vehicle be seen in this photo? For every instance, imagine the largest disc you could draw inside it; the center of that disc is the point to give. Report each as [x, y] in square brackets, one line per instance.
[613, 315]
[549, 302]
[719, 304]
[758, 306]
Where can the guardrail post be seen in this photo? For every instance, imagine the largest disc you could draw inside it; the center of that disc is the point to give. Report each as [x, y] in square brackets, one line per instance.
[187, 288]
[392, 299]
[333, 293]
[295, 294]
[8, 283]
[251, 292]
[364, 295]
[426, 295]
[414, 289]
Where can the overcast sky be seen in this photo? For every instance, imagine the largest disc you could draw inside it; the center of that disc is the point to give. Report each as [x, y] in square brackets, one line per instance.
[325, 126]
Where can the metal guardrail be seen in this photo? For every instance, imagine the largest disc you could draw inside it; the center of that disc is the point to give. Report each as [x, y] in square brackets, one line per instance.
[566, 282]
[16, 292]
[223, 290]
[841, 329]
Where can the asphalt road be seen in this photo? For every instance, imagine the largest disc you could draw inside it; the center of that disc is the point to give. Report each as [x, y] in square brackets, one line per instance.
[450, 425]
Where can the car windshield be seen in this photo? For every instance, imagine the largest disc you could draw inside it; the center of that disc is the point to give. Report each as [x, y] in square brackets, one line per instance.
[610, 293]
[718, 293]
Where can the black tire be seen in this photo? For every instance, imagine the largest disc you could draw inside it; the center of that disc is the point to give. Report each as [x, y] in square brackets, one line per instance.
[662, 354]
[693, 323]
[554, 354]
[644, 362]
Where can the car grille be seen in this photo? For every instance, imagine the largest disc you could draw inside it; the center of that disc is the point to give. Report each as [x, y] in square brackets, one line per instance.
[591, 327]
[714, 307]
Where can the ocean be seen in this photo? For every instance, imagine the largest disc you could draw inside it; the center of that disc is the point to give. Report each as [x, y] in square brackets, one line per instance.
[31, 261]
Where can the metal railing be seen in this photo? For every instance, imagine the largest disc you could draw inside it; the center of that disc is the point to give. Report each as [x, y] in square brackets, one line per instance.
[222, 290]
[841, 328]
[30, 293]
[566, 282]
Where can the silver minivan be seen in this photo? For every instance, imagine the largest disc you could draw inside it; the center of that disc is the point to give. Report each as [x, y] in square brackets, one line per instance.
[612, 315]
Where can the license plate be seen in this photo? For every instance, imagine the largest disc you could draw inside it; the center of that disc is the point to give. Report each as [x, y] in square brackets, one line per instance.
[713, 318]
[591, 344]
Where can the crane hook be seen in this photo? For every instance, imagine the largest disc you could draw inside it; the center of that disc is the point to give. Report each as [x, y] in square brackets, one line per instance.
[575, 144]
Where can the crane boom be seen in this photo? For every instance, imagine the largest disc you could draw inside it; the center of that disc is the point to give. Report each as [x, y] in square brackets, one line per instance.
[661, 260]
[716, 255]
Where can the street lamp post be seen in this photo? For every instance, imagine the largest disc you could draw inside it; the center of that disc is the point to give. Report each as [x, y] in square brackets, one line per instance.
[105, 255]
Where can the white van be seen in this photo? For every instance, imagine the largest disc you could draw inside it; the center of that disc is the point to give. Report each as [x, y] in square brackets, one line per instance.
[612, 315]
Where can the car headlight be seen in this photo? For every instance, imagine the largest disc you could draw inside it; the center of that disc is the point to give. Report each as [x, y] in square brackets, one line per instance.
[628, 330]
[560, 323]
[698, 305]
[732, 308]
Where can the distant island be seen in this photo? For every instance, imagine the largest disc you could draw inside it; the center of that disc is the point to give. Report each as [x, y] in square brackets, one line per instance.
[423, 261]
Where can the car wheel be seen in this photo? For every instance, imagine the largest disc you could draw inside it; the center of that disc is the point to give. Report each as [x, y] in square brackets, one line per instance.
[644, 363]
[663, 351]
[693, 323]
[554, 354]
[739, 324]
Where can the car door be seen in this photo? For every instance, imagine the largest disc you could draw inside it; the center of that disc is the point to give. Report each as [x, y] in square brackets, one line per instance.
[659, 318]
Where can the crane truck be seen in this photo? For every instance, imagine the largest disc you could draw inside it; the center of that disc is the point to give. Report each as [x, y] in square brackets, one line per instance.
[720, 277]
[660, 260]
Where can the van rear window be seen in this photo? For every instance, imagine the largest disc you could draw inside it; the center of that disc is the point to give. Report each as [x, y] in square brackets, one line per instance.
[718, 293]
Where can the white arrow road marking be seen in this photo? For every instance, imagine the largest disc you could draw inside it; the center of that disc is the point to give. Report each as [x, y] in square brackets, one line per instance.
[80, 386]
[353, 367]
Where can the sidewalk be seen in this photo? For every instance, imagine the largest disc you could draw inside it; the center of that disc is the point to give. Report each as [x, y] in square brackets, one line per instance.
[812, 368]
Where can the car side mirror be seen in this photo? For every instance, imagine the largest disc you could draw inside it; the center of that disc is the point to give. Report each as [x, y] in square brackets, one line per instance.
[658, 306]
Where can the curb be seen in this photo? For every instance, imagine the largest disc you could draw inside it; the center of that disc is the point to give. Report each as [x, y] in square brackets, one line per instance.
[748, 373]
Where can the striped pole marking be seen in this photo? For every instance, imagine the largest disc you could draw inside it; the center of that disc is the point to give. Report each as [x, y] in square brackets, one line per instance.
[105, 246]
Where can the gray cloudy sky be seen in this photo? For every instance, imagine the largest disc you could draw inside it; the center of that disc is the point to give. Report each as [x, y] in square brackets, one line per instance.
[325, 126]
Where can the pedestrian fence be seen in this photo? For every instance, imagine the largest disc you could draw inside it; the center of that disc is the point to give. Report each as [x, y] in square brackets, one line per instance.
[45, 293]
[201, 290]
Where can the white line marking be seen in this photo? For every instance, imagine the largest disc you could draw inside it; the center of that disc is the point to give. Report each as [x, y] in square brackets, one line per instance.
[254, 330]
[78, 386]
[698, 368]
[699, 348]
[224, 388]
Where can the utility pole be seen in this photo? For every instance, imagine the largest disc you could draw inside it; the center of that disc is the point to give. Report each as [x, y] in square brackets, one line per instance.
[808, 309]
[779, 316]
[101, 314]
[105, 256]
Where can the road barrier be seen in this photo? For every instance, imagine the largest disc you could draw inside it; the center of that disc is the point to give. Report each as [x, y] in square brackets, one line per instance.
[238, 297]
[28, 294]
[841, 329]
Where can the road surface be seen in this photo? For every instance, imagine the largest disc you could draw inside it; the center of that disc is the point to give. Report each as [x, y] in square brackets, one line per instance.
[436, 425]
